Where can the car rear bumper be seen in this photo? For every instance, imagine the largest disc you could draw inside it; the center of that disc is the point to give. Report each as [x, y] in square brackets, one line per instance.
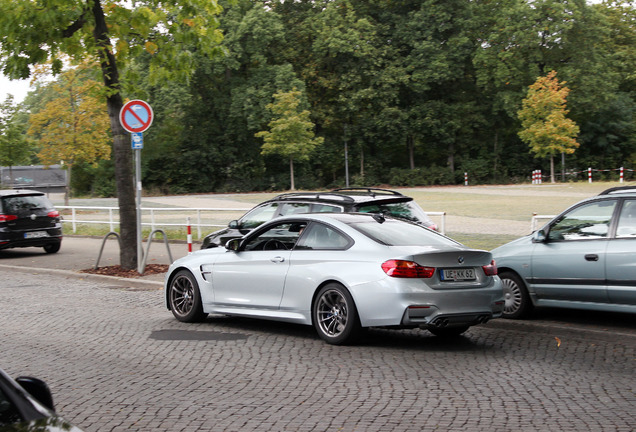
[11, 239]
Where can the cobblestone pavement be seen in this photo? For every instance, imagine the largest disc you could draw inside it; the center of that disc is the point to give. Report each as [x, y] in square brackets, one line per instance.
[116, 360]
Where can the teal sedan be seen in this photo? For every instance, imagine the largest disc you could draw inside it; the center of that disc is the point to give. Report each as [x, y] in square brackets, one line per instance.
[585, 258]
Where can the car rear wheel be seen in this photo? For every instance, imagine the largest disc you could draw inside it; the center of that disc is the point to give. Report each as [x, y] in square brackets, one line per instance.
[52, 247]
[335, 316]
[448, 331]
[184, 298]
[517, 301]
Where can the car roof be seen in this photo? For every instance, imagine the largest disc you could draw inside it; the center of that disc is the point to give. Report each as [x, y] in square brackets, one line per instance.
[627, 190]
[345, 218]
[18, 192]
[345, 196]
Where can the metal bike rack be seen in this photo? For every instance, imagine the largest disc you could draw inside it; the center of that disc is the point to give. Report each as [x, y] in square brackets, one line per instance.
[102, 248]
[165, 240]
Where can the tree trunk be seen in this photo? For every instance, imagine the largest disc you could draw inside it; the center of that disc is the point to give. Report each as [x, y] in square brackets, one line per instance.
[67, 191]
[122, 150]
[411, 149]
[552, 169]
[291, 173]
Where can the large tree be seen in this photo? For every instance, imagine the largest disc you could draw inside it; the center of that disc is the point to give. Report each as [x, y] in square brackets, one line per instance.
[291, 132]
[74, 126]
[14, 146]
[115, 32]
[546, 128]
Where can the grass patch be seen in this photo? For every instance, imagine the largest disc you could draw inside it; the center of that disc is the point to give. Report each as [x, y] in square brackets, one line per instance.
[482, 241]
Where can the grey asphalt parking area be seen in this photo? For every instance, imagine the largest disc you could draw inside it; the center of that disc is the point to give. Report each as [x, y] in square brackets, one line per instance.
[117, 360]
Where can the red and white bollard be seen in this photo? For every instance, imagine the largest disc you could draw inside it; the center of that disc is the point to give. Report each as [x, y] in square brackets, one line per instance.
[189, 236]
[589, 175]
[622, 175]
[465, 179]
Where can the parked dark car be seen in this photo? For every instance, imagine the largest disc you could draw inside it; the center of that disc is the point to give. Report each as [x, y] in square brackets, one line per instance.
[582, 259]
[27, 218]
[344, 200]
[26, 404]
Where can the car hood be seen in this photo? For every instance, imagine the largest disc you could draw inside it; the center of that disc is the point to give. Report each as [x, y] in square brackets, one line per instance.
[522, 242]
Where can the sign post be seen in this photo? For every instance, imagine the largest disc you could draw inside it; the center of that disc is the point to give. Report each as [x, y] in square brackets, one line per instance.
[136, 117]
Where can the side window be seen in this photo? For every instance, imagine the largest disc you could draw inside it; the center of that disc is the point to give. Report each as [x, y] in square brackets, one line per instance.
[319, 236]
[294, 208]
[325, 208]
[589, 221]
[278, 237]
[258, 216]
[627, 220]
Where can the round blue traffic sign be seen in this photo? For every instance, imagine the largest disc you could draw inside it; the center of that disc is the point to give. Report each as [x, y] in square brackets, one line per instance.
[136, 116]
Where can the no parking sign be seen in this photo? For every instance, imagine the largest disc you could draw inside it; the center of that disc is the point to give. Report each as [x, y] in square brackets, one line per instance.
[136, 116]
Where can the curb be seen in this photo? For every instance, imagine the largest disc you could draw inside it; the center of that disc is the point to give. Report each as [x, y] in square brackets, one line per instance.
[131, 283]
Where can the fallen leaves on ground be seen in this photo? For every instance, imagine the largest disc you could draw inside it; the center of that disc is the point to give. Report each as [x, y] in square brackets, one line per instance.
[117, 270]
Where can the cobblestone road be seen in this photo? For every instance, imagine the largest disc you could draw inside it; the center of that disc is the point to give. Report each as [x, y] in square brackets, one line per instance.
[116, 360]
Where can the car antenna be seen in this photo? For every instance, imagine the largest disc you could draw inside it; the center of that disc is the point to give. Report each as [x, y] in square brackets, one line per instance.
[379, 217]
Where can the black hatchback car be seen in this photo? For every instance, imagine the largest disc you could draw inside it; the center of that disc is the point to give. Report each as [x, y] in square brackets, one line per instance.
[344, 200]
[27, 218]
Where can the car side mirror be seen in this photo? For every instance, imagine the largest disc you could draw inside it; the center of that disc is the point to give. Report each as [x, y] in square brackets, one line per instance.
[38, 389]
[233, 224]
[539, 237]
[233, 245]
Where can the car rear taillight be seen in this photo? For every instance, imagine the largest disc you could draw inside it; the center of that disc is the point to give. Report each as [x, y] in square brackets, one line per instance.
[7, 218]
[407, 269]
[490, 269]
[53, 214]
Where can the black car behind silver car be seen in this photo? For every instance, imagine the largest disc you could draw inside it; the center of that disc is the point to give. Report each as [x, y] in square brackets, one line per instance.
[344, 200]
[27, 218]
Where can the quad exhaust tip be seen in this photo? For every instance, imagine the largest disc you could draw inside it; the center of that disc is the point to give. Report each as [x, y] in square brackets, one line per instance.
[442, 322]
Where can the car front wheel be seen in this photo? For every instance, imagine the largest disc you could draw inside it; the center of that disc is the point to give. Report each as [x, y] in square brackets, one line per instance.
[517, 300]
[184, 298]
[335, 316]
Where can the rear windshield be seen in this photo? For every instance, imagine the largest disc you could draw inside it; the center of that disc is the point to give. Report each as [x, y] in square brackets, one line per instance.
[18, 204]
[395, 233]
[404, 210]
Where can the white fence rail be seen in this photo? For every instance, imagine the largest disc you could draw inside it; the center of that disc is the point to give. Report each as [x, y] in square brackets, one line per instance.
[201, 218]
[171, 217]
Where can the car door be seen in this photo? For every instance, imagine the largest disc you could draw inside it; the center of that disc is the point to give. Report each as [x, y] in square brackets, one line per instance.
[621, 257]
[570, 265]
[254, 276]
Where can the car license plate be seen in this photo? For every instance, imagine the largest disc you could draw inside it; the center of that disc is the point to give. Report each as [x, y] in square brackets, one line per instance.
[35, 234]
[458, 274]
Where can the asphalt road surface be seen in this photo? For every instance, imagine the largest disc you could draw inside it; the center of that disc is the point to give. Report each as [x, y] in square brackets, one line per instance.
[117, 360]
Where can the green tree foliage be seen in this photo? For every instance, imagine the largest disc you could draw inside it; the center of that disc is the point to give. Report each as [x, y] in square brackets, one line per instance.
[291, 132]
[74, 126]
[15, 149]
[115, 32]
[421, 90]
[546, 128]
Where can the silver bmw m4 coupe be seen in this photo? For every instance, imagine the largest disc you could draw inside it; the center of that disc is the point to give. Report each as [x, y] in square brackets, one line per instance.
[340, 273]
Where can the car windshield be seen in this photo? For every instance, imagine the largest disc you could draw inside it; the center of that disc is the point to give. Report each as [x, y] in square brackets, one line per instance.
[17, 204]
[396, 233]
[404, 210]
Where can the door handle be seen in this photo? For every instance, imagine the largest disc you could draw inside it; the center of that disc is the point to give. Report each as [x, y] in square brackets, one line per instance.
[277, 259]
[591, 257]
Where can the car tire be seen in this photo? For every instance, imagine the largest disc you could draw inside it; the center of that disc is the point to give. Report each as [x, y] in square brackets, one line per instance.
[448, 331]
[517, 303]
[184, 298]
[335, 316]
[52, 247]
